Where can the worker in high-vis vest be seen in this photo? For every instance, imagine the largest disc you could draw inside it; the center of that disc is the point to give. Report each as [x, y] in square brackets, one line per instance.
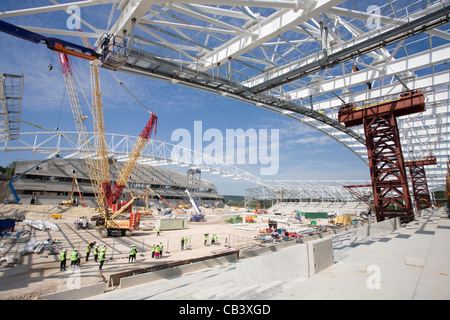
[74, 258]
[96, 254]
[88, 251]
[132, 255]
[63, 258]
[153, 250]
[102, 257]
[160, 249]
[206, 239]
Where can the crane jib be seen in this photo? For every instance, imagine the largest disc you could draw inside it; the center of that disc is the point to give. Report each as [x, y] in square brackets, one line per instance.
[147, 131]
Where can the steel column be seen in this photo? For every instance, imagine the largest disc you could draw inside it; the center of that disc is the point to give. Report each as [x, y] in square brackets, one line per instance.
[419, 181]
[387, 169]
[420, 187]
[387, 166]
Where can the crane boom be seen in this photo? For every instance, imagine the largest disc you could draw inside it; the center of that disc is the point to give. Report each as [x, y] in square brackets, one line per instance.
[138, 147]
[99, 132]
[16, 197]
[88, 149]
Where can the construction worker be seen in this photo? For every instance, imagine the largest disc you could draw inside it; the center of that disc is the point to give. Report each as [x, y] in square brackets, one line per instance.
[102, 257]
[185, 242]
[157, 231]
[88, 251]
[96, 254]
[206, 239]
[63, 258]
[160, 249]
[74, 258]
[182, 243]
[153, 250]
[132, 255]
[157, 252]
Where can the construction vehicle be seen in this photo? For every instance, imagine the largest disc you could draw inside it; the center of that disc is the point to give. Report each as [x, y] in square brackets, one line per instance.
[197, 215]
[72, 201]
[116, 219]
[343, 220]
[250, 219]
[110, 54]
[81, 223]
[16, 197]
[235, 219]
[177, 211]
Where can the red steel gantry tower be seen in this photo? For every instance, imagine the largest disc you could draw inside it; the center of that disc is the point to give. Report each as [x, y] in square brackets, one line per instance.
[419, 181]
[387, 166]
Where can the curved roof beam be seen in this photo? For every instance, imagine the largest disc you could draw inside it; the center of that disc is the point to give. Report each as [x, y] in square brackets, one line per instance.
[67, 145]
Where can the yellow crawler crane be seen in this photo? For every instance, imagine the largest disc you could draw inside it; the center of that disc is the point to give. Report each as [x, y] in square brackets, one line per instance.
[97, 161]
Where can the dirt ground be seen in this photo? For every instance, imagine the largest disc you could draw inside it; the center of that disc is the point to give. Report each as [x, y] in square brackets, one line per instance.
[36, 274]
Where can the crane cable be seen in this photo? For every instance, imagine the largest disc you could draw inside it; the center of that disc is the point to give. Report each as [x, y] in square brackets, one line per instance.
[130, 92]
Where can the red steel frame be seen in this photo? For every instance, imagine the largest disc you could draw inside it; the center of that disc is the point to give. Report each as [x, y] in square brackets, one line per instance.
[419, 181]
[387, 168]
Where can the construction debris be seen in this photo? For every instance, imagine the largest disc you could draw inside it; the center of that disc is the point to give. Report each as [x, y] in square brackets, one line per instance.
[34, 246]
[41, 225]
[10, 260]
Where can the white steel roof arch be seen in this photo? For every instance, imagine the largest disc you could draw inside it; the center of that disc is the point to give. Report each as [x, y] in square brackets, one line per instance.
[156, 153]
[300, 58]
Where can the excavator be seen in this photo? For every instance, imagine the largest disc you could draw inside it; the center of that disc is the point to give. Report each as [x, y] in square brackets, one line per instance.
[110, 55]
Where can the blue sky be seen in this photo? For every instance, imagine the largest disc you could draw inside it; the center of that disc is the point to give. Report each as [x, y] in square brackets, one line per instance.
[303, 152]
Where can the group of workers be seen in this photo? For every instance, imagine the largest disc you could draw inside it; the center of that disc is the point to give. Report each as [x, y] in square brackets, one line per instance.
[99, 256]
[100, 253]
[157, 250]
[183, 242]
[214, 239]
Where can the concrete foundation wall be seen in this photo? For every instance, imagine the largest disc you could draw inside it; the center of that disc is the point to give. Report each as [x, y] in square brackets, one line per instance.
[128, 282]
[285, 262]
[76, 294]
[372, 229]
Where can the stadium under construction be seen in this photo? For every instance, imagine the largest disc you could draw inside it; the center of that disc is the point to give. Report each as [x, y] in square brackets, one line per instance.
[371, 77]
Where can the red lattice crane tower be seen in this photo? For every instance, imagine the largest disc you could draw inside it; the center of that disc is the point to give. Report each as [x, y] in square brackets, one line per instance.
[419, 181]
[387, 166]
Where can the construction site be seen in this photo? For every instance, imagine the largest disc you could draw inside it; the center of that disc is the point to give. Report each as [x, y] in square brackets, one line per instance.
[87, 214]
